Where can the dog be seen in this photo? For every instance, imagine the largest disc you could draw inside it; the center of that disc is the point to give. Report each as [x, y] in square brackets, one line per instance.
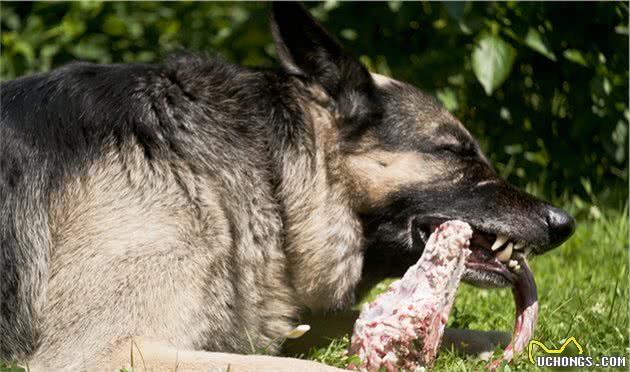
[193, 209]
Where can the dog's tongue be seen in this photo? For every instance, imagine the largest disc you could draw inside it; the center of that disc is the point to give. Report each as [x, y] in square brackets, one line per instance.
[526, 300]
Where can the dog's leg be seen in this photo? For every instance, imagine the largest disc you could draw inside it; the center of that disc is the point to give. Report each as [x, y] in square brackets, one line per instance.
[156, 356]
[474, 342]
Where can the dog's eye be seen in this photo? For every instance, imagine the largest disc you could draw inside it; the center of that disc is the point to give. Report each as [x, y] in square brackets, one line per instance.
[459, 150]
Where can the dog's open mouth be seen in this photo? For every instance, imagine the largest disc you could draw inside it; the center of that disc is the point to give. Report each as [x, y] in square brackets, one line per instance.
[497, 261]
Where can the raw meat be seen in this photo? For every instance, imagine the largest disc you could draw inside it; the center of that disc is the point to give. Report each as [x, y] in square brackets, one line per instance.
[403, 327]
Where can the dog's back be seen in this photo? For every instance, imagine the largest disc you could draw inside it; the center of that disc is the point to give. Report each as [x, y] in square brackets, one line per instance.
[92, 155]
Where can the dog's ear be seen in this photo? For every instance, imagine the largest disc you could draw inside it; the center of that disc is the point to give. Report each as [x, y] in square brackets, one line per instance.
[306, 49]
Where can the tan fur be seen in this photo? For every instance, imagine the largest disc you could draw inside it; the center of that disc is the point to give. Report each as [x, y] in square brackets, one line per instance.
[133, 256]
[323, 232]
[378, 173]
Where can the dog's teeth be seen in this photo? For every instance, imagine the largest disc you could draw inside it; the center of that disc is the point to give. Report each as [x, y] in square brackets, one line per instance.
[519, 245]
[505, 254]
[501, 239]
[514, 266]
[528, 250]
[517, 268]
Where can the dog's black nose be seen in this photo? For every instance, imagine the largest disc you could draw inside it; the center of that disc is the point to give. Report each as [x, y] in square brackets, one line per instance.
[561, 225]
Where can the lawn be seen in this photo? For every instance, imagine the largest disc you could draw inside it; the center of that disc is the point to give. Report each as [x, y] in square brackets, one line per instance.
[582, 289]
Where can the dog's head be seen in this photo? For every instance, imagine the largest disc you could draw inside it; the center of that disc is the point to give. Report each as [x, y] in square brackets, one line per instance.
[411, 165]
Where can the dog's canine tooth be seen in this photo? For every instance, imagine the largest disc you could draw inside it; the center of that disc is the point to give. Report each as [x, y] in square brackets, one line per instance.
[528, 250]
[498, 243]
[519, 245]
[505, 254]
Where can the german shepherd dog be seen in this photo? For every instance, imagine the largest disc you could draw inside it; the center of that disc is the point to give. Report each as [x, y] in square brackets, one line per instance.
[195, 207]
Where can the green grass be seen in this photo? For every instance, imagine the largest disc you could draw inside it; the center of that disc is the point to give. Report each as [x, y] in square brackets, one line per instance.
[11, 368]
[582, 289]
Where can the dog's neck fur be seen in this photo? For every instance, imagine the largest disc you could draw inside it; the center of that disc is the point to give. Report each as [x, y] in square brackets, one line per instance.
[323, 235]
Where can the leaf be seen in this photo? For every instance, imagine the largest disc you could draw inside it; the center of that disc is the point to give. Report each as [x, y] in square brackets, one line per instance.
[25, 49]
[114, 26]
[92, 48]
[72, 28]
[47, 51]
[514, 149]
[492, 61]
[448, 97]
[11, 20]
[394, 5]
[537, 42]
[349, 34]
[575, 56]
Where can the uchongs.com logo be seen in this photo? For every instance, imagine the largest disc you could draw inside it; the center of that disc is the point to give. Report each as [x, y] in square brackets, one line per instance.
[554, 357]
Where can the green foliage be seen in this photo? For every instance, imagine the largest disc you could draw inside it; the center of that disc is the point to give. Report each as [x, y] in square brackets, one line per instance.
[544, 86]
[40, 36]
[492, 61]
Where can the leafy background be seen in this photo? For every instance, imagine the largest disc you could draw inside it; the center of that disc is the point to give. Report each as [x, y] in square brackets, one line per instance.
[544, 86]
